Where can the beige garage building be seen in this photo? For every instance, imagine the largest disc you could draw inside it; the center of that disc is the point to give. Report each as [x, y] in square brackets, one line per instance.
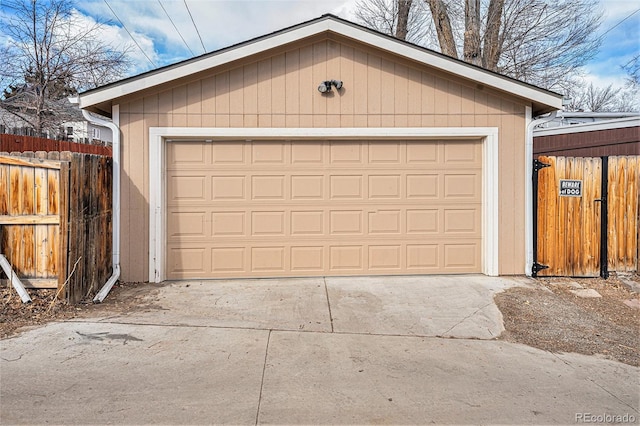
[235, 164]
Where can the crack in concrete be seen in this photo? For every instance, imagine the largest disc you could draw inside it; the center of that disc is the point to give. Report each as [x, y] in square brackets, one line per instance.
[264, 369]
[465, 318]
[12, 360]
[326, 291]
[567, 363]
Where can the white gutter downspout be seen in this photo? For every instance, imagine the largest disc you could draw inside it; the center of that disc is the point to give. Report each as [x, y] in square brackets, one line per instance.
[115, 202]
[528, 153]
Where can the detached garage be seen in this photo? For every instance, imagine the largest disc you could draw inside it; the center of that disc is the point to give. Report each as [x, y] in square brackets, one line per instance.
[322, 149]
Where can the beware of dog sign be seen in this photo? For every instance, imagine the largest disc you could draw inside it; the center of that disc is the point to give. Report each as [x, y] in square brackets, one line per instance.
[570, 188]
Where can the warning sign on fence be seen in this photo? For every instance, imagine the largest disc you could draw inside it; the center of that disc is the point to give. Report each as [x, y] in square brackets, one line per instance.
[570, 188]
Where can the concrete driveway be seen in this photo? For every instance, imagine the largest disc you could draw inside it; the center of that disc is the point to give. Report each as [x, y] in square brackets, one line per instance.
[392, 350]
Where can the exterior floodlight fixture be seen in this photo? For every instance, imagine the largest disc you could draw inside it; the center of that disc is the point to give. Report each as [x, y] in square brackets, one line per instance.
[325, 86]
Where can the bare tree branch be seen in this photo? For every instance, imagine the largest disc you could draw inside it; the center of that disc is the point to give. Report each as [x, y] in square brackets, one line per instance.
[51, 53]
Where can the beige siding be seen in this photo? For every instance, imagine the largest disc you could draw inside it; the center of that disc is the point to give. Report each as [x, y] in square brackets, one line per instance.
[280, 90]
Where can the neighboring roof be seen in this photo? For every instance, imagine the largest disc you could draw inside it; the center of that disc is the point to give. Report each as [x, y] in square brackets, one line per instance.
[601, 115]
[100, 99]
[589, 127]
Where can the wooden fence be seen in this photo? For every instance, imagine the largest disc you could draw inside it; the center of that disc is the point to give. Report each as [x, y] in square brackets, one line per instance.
[18, 143]
[587, 215]
[55, 220]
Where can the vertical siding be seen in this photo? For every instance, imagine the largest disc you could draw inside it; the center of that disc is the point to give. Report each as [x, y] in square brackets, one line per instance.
[281, 91]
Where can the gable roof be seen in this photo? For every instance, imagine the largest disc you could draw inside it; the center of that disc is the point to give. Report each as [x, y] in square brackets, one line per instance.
[100, 99]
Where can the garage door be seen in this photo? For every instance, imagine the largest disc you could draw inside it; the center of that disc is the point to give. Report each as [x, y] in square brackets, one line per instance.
[296, 208]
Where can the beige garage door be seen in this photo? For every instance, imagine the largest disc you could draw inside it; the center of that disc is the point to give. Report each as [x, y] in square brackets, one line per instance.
[295, 208]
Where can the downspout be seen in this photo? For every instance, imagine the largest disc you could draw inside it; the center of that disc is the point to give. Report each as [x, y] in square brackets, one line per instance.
[115, 201]
[528, 153]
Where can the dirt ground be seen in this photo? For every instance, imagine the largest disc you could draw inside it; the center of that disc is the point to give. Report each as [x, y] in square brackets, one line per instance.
[546, 315]
[551, 317]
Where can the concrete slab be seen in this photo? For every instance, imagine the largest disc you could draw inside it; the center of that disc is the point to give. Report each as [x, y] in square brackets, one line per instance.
[80, 373]
[449, 306]
[586, 293]
[280, 304]
[242, 352]
[633, 286]
[314, 378]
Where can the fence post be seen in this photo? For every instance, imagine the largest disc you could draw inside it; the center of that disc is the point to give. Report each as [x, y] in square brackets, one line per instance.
[604, 219]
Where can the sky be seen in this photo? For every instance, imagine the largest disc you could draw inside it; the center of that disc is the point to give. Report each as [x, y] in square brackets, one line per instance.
[207, 25]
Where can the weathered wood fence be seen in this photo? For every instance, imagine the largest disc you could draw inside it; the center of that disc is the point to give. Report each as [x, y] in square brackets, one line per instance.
[18, 143]
[55, 220]
[587, 215]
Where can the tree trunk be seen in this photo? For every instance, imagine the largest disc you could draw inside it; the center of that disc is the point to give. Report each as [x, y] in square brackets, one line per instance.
[472, 52]
[404, 6]
[443, 27]
[492, 48]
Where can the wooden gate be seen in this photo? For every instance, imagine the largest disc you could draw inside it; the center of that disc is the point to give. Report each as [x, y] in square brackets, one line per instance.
[32, 211]
[586, 215]
[55, 220]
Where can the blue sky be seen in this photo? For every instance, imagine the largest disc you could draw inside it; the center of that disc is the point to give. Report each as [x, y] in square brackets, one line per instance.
[221, 23]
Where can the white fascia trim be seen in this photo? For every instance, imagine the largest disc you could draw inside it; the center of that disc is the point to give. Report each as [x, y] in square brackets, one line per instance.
[159, 135]
[588, 127]
[328, 24]
[528, 192]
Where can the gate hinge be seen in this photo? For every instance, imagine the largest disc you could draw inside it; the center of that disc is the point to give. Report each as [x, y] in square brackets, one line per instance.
[539, 165]
[537, 267]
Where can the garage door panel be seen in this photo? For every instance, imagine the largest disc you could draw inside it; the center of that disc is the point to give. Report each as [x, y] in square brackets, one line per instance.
[228, 223]
[422, 186]
[346, 187]
[346, 152]
[345, 222]
[308, 259]
[185, 223]
[385, 257]
[418, 153]
[269, 259]
[307, 222]
[384, 152]
[228, 153]
[307, 187]
[346, 258]
[461, 221]
[229, 259]
[187, 188]
[228, 187]
[268, 187]
[467, 153]
[422, 221]
[461, 186]
[421, 257]
[267, 153]
[384, 187]
[464, 257]
[323, 208]
[385, 222]
[268, 223]
[307, 153]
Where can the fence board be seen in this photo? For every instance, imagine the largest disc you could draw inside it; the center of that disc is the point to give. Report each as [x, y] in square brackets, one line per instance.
[18, 143]
[52, 218]
[63, 229]
[623, 213]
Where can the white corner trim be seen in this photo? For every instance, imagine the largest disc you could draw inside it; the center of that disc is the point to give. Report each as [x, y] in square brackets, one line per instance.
[159, 135]
[528, 192]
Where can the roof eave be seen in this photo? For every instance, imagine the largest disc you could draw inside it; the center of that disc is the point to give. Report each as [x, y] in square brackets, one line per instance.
[101, 98]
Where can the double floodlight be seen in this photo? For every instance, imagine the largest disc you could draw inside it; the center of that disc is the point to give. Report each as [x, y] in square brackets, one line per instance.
[325, 86]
